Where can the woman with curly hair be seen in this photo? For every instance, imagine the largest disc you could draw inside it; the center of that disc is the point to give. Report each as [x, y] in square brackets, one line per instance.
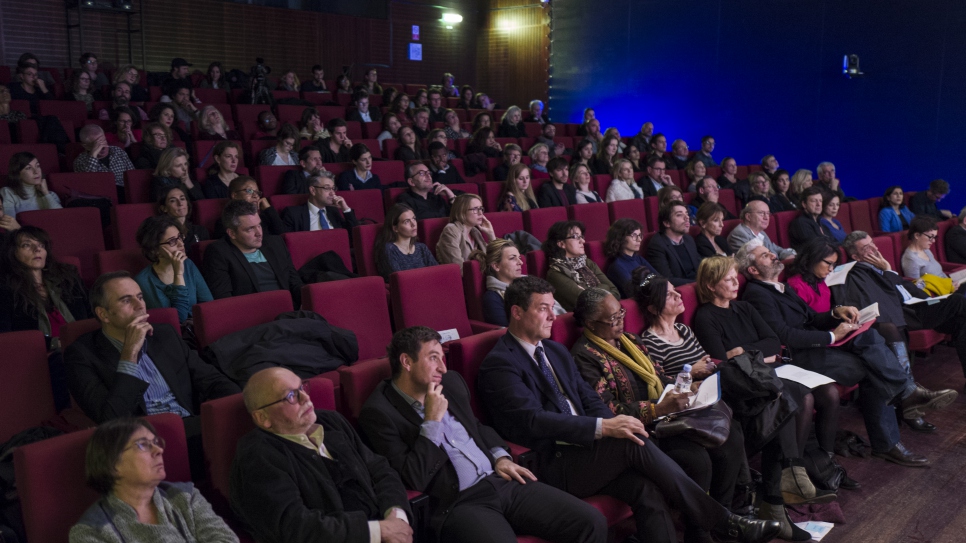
[622, 247]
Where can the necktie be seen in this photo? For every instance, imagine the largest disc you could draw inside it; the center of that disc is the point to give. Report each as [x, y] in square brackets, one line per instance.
[545, 368]
[323, 224]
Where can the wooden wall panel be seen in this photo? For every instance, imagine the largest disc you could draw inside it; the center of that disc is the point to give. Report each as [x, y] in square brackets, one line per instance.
[513, 52]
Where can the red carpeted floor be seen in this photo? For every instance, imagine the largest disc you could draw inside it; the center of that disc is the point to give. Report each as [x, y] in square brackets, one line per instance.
[912, 505]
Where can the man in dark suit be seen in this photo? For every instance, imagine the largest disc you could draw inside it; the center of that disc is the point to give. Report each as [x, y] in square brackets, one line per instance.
[325, 209]
[535, 397]
[872, 280]
[305, 475]
[437, 113]
[362, 113]
[439, 447]
[807, 226]
[310, 163]
[443, 172]
[865, 360]
[245, 262]
[558, 192]
[427, 198]
[656, 178]
[672, 251]
[955, 240]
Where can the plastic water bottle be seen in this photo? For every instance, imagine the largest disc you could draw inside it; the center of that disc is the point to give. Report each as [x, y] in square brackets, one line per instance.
[683, 383]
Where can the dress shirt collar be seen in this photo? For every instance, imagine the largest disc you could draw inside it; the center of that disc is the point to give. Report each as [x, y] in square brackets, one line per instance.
[312, 439]
[780, 287]
[527, 346]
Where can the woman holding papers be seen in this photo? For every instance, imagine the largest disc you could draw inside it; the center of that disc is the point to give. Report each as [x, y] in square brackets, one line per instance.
[615, 364]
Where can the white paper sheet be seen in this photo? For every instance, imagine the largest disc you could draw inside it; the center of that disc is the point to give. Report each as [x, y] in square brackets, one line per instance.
[929, 301]
[449, 335]
[838, 275]
[869, 313]
[803, 376]
[958, 277]
[816, 528]
[709, 393]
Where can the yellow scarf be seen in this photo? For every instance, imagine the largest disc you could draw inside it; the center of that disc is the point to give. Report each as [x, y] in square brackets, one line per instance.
[638, 362]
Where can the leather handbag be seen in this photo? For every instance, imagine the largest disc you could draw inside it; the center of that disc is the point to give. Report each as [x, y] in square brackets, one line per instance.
[708, 427]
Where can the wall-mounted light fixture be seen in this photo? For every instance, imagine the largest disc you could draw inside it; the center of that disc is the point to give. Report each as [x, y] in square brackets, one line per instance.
[450, 19]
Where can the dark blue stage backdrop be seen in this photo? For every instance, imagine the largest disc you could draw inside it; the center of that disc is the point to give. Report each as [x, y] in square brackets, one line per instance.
[765, 77]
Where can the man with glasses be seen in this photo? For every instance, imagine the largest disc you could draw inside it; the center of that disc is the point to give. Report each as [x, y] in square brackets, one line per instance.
[709, 191]
[437, 113]
[131, 368]
[679, 155]
[310, 164]
[363, 113]
[924, 202]
[427, 198]
[672, 251]
[535, 396]
[324, 210]
[872, 280]
[245, 261]
[657, 177]
[864, 360]
[305, 475]
[755, 217]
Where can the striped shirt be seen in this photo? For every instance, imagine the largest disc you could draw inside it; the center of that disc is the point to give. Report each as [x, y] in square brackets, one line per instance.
[673, 356]
[158, 398]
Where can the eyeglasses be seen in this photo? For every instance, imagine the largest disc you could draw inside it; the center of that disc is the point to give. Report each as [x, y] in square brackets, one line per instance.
[578, 237]
[173, 242]
[421, 173]
[830, 264]
[91, 61]
[476, 209]
[930, 237]
[636, 236]
[762, 213]
[615, 319]
[147, 445]
[324, 188]
[250, 192]
[292, 396]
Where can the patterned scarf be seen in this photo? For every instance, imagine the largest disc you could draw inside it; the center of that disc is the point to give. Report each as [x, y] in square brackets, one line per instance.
[637, 361]
[576, 269]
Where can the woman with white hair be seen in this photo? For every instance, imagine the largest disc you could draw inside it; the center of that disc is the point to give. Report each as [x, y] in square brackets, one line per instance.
[212, 126]
[511, 125]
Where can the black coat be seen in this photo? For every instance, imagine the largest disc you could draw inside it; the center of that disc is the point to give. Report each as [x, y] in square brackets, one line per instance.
[803, 228]
[296, 218]
[956, 244]
[374, 114]
[295, 182]
[148, 158]
[347, 180]
[13, 316]
[705, 249]
[228, 273]
[548, 196]
[393, 426]
[104, 393]
[285, 494]
[661, 254]
[864, 286]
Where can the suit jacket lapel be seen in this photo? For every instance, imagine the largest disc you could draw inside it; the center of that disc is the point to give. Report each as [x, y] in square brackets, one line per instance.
[244, 263]
[671, 251]
[306, 219]
[277, 263]
[565, 384]
[529, 365]
[109, 357]
[158, 356]
[400, 404]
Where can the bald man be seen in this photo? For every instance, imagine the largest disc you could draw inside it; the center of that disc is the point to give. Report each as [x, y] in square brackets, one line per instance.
[304, 475]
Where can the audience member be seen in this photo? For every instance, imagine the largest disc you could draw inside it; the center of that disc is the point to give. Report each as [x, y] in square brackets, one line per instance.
[872, 280]
[11, 116]
[397, 247]
[266, 126]
[539, 157]
[289, 82]
[643, 138]
[164, 114]
[801, 181]
[501, 263]
[184, 108]
[894, 216]
[468, 230]
[694, 171]
[483, 101]
[360, 177]
[622, 185]
[547, 134]
[428, 199]
[283, 152]
[517, 190]
[673, 194]
[421, 124]
[29, 87]
[121, 96]
[479, 489]
[409, 147]
[755, 217]
[172, 170]
[246, 188]
[309, 468]
[633, 154]
[370, 82]
[212, 126]
[615, 364]
[512, 155]
[585, 154]
[830, 209]
[420, 100]
[583, 180]
[130, 367]
[709, 191]
[317, 83]
[580, 445]
[704, 155]
[124, 465]
[88, 63]
[466, 97]
[343, 85]
[570, 271]
[179, 76]
[827, 180]
[125, 128]
[607, 153]
[657, 177]
[227, 156]
[781, 200]
[244, 261]
[536, 114]
[129, 74]
[558, 192]
[156, 138]
[443, 173]
[955, 240]
[511, 124]
[98, 156]
[622, 247]
[390, 129]
[924, 202]
[808, 225]
[82, 90]
[729, 174]
[214, 78]
[437, 113]
[679, 158]
[918, 261]
[769, 165]
[310, 163]
[176, 204]
[759, 188]
[171, 280]
[400, 107]
[31, 59]
[710, 218]
[454, 129]
[324, 210]
[362, 112]
[26, 188]
[672, 251]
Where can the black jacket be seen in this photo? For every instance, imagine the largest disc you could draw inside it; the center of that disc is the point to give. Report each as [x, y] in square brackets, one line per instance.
[548, 196]
[393, 427]
[272, 224]
[647, 187]
[284, 492]
[104, 393]
[347, 180]
[295, 182]
[296, 218]
[228, 273]
[13, 316]
[803, 228]
[956, 244]
[705, 249]
[507, 130]
[374, 114]
[148, 158]
[864, 286]
[433, 206]
[661, 254]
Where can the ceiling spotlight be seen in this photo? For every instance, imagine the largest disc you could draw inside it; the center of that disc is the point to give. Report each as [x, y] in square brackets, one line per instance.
[451, 18]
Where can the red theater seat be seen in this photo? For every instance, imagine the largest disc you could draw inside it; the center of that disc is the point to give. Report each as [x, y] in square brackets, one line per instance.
[782, 220]
[270, 178]
[137, 186]
[595, 218]
[66, 110]
[539, 221]
[130, 260]
[505, 222]
[861, 216]
[432, 297]
[367, 204]
[25, 394]
[690, 299]
[73, 232]
[100, 184]
[430, 230]
[363, 239]
[630, 209]
[565, 330]
[207, 213]
[369, 318]
[218, 318]
[125, 220]
[465, 357]
[304, 246]
[537, 263]
[358, 381]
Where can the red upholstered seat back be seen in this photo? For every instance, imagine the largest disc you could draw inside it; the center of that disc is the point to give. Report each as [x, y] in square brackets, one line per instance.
[304, 246]
[73, 231]
[630, 209]
[432, 297]
[595, 218]
[565, 330]
[465, 357]
[26, 399]
[358, 382]
[690, 298]
[539, 221]
[357, 304]
[130, 260]
[218, 318]
[126, 219]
